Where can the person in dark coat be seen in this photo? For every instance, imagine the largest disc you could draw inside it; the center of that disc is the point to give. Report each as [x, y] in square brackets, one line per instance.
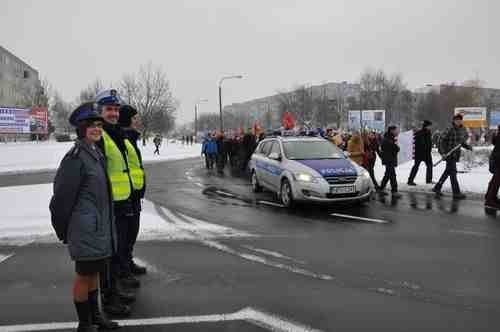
[130, 123]
[452, 139]
[423, 153]
[247, 147]
[372, 149]
[390, 150]
[82, 214]
[492, 192]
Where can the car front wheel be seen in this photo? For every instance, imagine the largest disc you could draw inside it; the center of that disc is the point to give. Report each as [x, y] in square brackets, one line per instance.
[286, 194]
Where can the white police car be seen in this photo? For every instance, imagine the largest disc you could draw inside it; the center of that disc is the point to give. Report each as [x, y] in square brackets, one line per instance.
[308, 169]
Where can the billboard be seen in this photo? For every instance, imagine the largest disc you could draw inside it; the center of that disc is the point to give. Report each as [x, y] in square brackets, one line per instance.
[474, 117]
[494, 118]
[23, 120]
[39, 119]
[369, 119]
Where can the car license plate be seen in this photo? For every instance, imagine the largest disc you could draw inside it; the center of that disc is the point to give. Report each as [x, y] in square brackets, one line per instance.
[342, 190]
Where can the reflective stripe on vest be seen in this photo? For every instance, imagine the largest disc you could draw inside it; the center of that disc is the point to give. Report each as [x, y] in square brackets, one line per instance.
[117, 169]
[136, 171]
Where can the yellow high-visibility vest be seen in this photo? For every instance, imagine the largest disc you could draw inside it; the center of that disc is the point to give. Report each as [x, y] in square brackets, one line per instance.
[117, 168]
[134, 164]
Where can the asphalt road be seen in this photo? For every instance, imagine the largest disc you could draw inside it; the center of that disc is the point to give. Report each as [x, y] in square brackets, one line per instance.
[427, 265]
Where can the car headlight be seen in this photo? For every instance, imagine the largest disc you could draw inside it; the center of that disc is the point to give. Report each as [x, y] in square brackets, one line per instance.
[304, 177]
[365, 175]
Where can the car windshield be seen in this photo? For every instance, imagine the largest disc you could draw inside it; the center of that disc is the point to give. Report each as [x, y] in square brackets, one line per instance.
[298, 150]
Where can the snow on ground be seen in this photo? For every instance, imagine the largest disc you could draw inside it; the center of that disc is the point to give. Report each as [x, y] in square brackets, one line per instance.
[26, 157]
[25, 218]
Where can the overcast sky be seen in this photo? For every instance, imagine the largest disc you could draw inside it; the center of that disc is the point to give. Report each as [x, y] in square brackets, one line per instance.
[275, 44]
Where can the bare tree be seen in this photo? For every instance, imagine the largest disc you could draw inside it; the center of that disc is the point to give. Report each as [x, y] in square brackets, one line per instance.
[59, 113]
[149, 92]
[91, 91]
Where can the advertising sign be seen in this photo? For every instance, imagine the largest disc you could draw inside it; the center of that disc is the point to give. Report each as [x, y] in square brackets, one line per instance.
[23, 120]
[14, 120]
[494, 119]
[39, 119]
[474, 117]
[369, 119]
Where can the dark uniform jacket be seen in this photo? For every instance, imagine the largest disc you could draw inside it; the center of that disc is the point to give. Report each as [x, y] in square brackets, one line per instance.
[389, 150]
[423, 144]
[82, 206]
[136, 196]
[451, 138]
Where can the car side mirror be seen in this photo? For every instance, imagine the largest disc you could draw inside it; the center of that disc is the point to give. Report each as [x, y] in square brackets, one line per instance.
[274, 156]
[347, 154]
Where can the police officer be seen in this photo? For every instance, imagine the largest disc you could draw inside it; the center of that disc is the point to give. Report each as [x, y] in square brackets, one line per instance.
[129, 122]
[82, 214]
[115, 150]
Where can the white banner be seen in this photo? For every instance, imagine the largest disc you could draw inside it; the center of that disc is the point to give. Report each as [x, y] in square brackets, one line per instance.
[406, 147]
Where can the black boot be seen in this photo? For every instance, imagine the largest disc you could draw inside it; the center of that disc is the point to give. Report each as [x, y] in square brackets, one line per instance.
[129, 281]
[114, 307]
[98, 318]
[84, 319]
[136, 269]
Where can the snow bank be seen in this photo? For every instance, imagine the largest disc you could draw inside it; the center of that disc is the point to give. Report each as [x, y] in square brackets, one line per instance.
[27, 157]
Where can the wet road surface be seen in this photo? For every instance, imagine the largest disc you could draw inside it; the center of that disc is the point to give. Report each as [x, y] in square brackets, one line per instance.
[414, 264]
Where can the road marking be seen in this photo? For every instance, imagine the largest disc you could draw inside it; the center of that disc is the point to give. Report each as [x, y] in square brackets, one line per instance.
[3, 258]
[464, 232]
[203, 232]
[348, 216]
[253, 316]
[265, 261]
[271, 204]
[273, 254]
[220, 192]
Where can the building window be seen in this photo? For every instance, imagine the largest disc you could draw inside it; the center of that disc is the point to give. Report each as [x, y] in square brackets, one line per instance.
[26, 74]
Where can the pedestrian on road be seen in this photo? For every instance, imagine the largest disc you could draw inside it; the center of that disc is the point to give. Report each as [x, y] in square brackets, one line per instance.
[372, 149]
[390, 150]
[129, 121]
[423, 153]
[209, 149]
[157, 143]
[453, 137]
[492, 193]
[116, 151]
[356, 148]
[82, 214]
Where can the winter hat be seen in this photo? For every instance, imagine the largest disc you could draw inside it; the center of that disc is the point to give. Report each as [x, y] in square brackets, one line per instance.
[426, 123]
[83, 116]
[127, 112]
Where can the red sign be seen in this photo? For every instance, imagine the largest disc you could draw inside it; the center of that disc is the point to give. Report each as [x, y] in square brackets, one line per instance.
[39, 118]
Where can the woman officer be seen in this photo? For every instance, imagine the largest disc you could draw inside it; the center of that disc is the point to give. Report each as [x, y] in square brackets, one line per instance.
[82, 216]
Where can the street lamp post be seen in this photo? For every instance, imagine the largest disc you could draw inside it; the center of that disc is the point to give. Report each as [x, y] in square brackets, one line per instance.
[196, 105]
[221, 125]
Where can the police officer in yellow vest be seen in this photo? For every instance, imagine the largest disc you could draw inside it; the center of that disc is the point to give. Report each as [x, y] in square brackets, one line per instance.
[129, 122]
[114, 147]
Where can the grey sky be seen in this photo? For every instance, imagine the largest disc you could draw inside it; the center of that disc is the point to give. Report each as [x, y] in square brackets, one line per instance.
[274, 44]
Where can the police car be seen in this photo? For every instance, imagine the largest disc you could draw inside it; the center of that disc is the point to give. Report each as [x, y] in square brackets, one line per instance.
[308, 169]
